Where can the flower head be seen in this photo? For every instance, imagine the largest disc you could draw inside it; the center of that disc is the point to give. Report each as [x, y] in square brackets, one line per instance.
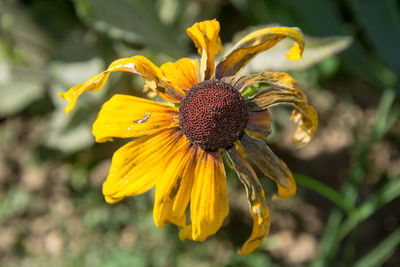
[179, 150]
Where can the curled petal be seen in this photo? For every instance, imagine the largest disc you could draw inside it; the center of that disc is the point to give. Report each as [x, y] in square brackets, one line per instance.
[182, 74]
[205, 36]
[282, 89]
[255, 43]
[209, 198]
[269, 164]
[127, 116]
[307, 121]
[273, 79]
[152, 75]
[136, 167]
[258, 205]
[174, 186]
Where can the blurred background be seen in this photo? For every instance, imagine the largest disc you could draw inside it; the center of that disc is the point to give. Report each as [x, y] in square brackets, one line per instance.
[52, 212]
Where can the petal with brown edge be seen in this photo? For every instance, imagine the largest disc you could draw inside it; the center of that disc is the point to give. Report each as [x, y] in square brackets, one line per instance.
[205, 36]
[259, 124]
[136, 167]
[269, 164]
[125, 116]
[282, 89]
[276, 79]
[307, 120]
[256, 198]
[255, 43]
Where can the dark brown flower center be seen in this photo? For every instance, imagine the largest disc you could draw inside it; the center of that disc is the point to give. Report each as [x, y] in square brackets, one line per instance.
[213, 115]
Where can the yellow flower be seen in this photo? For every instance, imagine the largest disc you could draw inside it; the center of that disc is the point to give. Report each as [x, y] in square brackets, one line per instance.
[179, 150]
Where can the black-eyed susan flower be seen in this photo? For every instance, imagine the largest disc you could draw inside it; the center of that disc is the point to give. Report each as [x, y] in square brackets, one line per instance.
[179, 150]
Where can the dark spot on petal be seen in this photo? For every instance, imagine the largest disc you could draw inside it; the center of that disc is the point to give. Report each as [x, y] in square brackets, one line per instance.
[175, 189]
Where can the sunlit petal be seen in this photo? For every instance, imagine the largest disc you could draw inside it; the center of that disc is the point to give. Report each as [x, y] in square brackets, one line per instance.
[255, 43]
[256, 198]
[136, 166]
[282, 89]
[306, 118]
[205, 36]
[126, 116]
[209, 198]
[152, 75]
[174, 187]
[182, 74]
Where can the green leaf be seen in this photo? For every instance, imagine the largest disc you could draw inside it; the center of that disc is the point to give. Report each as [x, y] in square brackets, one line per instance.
[15, 95]
[385, 117]
[316, 50]
[380, 20]
[251, 90]
[19, 86]
[23, 53]
[325, 191]
[387, 193]
[327, 246]
[72, 132]
[328, 21]
[335, 231]
[382, 252]
[68, 138]
[134, 21]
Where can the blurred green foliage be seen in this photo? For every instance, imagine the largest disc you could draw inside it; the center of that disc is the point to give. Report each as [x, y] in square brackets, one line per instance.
[52, 212]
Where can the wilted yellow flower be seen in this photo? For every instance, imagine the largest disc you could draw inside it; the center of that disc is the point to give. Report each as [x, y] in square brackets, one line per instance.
[179, 149]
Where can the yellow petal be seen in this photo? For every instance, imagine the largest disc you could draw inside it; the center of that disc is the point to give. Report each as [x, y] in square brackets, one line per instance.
[256, 198]
[136, 167]
[174, 187]
[182, 74]
[209, 198]
[254, 43]
[307, 121]
[126, 116]
[269, 164]
[138, 65]
[282, 89]
[205, 36]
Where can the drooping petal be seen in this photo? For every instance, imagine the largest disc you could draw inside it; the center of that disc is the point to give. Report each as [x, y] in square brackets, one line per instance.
[174, 186]
[209, 198]
[269, 164]
[205, 36]
[182, 74]
[136, 167]
[282, 89]
[127, 116]
[255, 195]
[255, 43]
[307, 121]
[152, 75]
[259, 124]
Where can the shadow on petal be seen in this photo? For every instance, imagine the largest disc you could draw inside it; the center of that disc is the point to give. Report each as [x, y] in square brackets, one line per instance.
[256, 198]
[269, 164]
[283, 89]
